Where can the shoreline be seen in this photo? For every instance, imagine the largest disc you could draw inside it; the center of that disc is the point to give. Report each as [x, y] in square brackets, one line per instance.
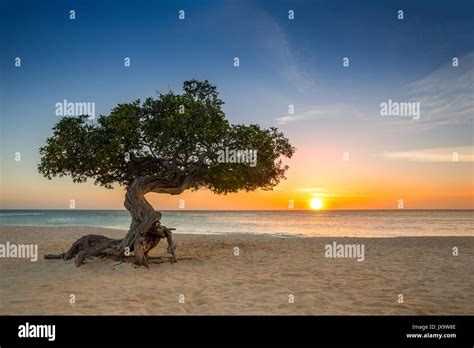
[257, 281]
[98, 229]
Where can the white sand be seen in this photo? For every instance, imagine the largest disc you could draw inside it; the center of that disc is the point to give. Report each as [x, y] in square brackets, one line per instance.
[258, 281]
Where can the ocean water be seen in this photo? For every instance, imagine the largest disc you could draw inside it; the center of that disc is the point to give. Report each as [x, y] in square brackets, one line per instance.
[369, 223]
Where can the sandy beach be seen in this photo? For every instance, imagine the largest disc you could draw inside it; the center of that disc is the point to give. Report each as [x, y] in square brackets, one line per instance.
[263, 279]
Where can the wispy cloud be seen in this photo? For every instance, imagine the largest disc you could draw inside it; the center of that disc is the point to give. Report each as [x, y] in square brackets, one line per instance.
[312, 189]
[304, 115]
[333, 112]
[316, 191]
[464, 154]
[274, 38]
[322, 192]
[446, 95]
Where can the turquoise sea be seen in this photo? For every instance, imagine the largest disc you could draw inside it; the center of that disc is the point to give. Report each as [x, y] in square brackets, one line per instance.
[369, 223]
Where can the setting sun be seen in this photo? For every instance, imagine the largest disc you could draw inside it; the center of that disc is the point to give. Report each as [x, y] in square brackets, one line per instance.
[316, 203]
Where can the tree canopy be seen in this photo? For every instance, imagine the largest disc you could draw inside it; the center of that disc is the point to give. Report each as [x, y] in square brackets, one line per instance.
[173, 139]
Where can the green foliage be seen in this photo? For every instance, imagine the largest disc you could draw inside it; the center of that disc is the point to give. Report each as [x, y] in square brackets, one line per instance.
[175, 137]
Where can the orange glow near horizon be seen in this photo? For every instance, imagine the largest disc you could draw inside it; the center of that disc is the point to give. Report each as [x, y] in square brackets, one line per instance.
[285, 198]
[339, 185]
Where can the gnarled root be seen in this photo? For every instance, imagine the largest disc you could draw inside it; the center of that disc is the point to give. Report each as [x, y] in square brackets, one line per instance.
[102, 246]
[88, 246]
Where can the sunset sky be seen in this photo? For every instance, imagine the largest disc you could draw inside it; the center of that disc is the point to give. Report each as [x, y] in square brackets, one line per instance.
[282, 62]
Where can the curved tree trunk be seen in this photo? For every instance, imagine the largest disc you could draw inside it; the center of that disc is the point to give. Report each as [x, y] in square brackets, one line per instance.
[143, 235]
[144, 217]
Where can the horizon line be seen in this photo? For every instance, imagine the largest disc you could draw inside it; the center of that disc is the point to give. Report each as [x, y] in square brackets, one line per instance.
[225, 210]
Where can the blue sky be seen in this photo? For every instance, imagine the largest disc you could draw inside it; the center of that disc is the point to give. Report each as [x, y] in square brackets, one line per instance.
[282, 62]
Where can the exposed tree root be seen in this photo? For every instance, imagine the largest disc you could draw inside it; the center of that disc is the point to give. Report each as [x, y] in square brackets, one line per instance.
[145, 229]
[165, 259]
[101, 246]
